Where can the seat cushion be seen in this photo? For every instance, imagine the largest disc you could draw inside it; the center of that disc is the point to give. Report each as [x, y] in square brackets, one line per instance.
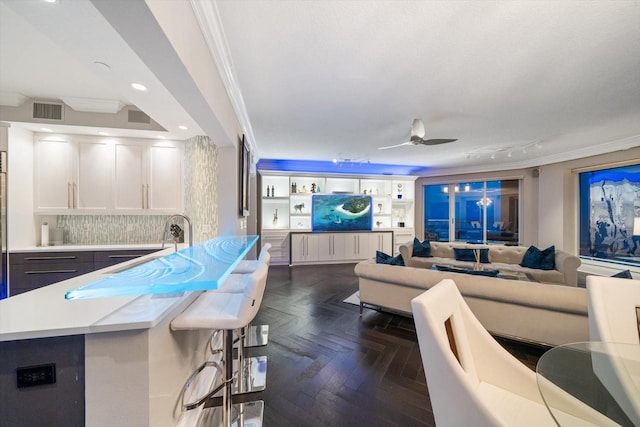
[512, 409]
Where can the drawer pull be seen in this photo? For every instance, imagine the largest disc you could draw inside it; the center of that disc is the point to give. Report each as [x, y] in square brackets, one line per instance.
[45, 258]
[123, 256]
[50, 271]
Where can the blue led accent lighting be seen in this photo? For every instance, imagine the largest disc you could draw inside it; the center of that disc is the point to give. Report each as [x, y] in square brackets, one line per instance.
[197, 268]
[342, 168]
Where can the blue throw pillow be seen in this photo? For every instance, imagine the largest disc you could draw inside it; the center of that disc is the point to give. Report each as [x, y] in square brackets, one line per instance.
[624, 274]
[488, 273]
[540, 260]
[382, 258]
[421, 249]
[464, 254]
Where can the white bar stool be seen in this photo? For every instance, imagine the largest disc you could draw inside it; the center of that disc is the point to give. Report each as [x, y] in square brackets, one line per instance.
[226, 311]
[254, 335]
[249, 266]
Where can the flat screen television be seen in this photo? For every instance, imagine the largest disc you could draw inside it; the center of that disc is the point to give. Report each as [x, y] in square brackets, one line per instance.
[341, 212]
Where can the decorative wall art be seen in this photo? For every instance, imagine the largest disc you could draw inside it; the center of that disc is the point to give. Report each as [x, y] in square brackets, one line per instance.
[609, 202]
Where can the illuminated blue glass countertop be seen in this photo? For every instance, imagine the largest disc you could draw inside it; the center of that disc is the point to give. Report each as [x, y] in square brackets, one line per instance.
[196, 268]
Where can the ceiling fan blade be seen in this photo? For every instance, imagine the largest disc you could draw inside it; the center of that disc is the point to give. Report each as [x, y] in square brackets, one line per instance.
[397, 145]
[436, 141]
[417, 128]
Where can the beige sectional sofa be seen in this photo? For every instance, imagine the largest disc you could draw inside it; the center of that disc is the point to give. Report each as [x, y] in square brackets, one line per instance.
[503, 258]
[550, 314]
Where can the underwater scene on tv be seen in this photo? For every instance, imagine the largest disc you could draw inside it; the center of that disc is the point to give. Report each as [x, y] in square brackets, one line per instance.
[341, 212]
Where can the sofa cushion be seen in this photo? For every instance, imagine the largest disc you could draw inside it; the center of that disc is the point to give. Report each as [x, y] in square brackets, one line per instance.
[467, 254]
[488, 273]
[421, 249]
[539, 259]
[624, 274]
[382, 258]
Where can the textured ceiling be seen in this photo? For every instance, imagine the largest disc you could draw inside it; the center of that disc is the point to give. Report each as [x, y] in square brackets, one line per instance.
[522, 82]
[518, 83]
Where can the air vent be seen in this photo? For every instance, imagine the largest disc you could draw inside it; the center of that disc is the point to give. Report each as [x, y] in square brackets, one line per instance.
[138, 117]
[48, 111]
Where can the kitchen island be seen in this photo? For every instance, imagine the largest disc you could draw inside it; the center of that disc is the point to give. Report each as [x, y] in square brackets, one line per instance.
[101, 361]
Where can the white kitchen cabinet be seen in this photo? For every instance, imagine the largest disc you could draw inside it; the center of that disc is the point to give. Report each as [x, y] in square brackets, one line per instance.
[54, 174]
[378, 242]
[304, 247]
[148, 177]
[313, 248]
[93, 184]
[359, 246]
[130, 182]
[331, 246]
[164, 179]
[73, 175]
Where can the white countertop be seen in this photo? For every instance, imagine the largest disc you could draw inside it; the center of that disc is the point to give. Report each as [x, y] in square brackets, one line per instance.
[45, 312]
[64, 248]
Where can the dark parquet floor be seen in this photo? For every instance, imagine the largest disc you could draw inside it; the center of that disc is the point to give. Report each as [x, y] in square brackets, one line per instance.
[327, 366]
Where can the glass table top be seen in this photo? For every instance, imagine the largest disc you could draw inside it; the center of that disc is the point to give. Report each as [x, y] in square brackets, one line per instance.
[196, 268]
[591, 383]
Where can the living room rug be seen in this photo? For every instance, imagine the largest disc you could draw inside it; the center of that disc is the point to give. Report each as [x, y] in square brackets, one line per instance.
[353, 299]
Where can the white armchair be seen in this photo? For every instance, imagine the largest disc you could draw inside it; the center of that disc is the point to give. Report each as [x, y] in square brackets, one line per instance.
[612, 304]
[472, 380]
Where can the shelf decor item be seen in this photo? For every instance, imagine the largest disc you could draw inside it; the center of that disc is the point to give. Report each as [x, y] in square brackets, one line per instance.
[399, 191]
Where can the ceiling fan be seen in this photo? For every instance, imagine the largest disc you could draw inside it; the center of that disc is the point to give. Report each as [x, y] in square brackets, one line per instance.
[417, 137]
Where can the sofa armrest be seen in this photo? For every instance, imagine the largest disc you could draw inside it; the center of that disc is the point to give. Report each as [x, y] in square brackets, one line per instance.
[568, 265]
[406, 250]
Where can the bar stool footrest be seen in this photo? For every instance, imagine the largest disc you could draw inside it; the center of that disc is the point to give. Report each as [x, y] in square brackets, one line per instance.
[248, 414]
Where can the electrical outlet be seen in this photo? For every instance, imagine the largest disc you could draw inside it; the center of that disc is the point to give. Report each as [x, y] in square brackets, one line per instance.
[30, 376]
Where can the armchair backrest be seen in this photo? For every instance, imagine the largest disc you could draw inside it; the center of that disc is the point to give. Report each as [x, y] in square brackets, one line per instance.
[613, 304]
[448, 357]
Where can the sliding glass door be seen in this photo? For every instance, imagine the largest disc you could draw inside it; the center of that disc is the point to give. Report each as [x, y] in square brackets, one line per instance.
[474, 212]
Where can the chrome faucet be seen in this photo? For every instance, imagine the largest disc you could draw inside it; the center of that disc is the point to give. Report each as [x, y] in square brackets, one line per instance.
[167, 229]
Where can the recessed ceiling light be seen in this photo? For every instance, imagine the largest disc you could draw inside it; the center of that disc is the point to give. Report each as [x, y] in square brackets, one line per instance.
[103, 133]
[138, 86]
[51, 1]
[46, 130]
[182, 127]
[160, 136]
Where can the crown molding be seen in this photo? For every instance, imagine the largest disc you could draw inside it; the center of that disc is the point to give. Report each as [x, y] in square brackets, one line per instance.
[578, 153]
[208, 18]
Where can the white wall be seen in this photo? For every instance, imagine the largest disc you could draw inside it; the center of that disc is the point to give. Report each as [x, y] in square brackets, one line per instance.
[20, 221]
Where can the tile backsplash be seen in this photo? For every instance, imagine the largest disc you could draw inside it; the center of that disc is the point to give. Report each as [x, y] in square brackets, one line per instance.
[111, 229]
[200, 203]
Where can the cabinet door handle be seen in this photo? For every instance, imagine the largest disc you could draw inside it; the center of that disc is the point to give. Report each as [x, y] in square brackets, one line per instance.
[75, 195]
[44, 258]
[142, 196]
[69, 195]
[123, 256]
[147, 196]
[50, 271]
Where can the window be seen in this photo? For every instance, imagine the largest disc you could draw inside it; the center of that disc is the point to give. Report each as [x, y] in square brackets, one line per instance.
[477, 212]
[609, 202]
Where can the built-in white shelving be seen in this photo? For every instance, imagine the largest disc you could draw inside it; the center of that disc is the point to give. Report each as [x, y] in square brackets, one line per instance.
[285, 204]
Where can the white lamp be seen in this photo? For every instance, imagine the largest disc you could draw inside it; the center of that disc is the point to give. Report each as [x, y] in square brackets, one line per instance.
[636, 226]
